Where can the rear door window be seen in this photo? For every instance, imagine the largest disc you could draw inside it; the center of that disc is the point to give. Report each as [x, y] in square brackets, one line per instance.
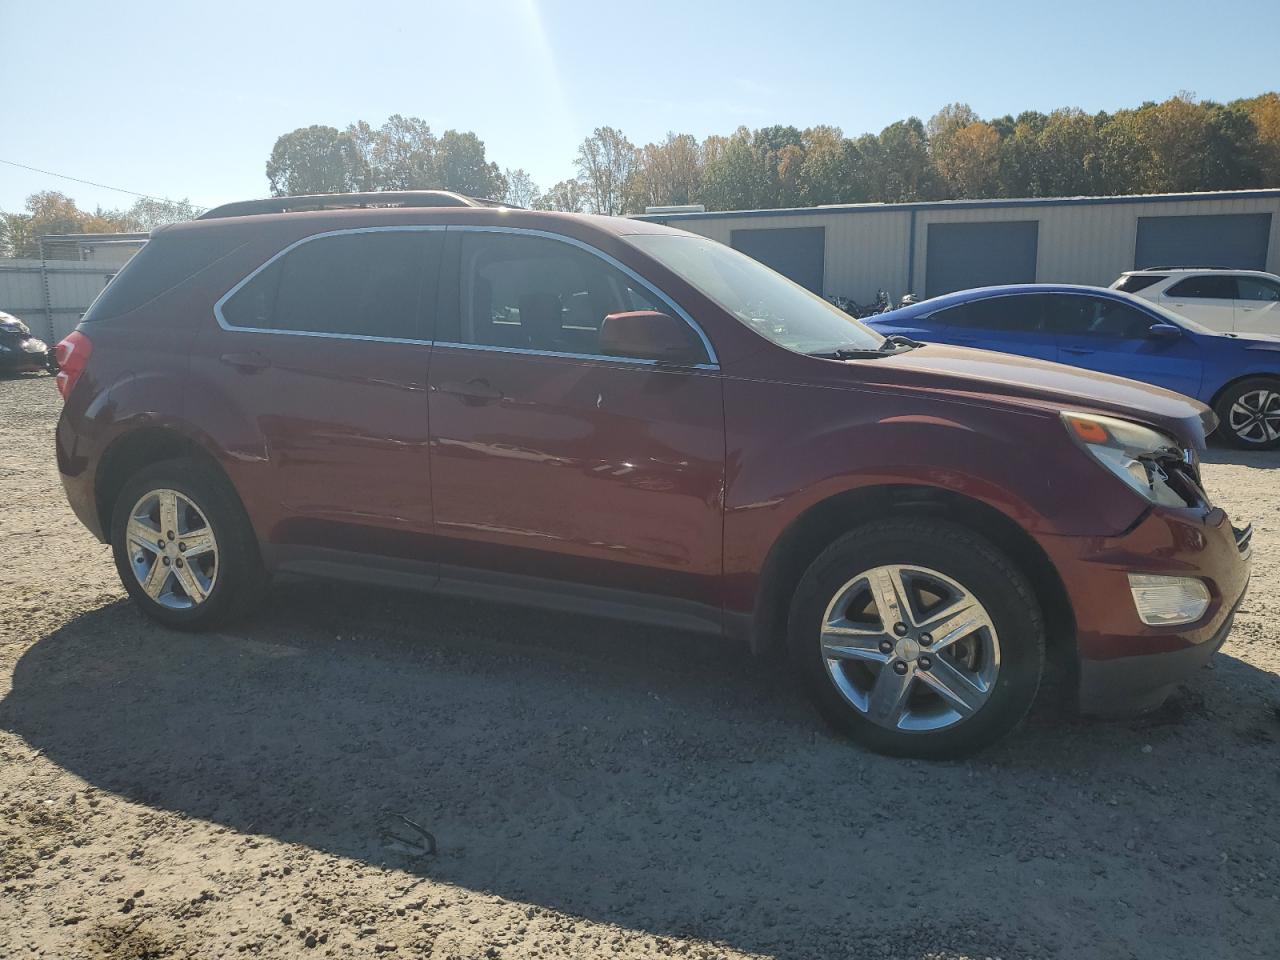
[1209, 286]
[365, 284]
[1013, 314]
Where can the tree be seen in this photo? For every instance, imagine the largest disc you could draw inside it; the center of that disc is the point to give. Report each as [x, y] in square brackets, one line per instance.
[316, 159]
[461, 166]
[521, 190]
[605, 162]
[1264, 112]
[907, 172]
[567, 196]
[732, 178]
[48, 212]
[16, 238]
[666, 173]
[146, 214]
[826, 174]
[399, 155]
[969, 161]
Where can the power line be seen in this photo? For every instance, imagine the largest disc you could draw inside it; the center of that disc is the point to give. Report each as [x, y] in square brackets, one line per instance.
[91, 183]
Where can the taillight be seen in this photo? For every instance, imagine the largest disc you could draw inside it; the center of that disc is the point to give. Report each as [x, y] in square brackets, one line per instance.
[72, 355]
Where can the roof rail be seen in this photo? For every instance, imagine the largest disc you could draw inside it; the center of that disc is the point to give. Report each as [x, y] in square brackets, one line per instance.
[1193, 266]
[343, 201]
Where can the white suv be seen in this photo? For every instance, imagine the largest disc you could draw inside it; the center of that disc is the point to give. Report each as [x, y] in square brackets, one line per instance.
[1230, 301]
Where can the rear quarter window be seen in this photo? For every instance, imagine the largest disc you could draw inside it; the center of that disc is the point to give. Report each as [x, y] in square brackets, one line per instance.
[1139, 281]
[166, 261]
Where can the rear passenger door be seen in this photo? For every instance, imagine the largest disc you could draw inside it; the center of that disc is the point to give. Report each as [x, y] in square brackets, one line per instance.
[318, 362]
[1098, 333]
[1257, 305]
[1208, 299]
[1014, 323]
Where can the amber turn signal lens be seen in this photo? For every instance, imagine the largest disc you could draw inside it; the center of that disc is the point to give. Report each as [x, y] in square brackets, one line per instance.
[1089, 431]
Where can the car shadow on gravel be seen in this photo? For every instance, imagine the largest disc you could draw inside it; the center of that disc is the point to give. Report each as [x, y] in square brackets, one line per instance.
[658, 781]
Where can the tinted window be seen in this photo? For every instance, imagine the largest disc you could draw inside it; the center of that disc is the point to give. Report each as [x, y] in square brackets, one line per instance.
[1208, 287]
[1098, 317]
[364, 284]
[164, 262]
[1014, 314]
[1253, 288]
[539, 294]
[1138, 281]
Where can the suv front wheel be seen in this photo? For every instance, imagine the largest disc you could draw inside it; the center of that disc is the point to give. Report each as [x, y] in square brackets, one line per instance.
[917, 638]
[183, 547]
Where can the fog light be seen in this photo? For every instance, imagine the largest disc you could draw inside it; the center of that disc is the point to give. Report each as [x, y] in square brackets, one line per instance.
[1165, 601]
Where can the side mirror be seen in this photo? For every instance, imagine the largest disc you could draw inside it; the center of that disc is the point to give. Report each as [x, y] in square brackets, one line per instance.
[1163, 331]
[649, 335]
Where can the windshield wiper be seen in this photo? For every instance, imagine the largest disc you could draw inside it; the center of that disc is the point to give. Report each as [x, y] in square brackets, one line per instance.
[892, 344]
[900, 340]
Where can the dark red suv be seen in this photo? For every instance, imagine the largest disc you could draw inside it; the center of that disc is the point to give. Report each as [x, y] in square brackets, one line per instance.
[610, 416]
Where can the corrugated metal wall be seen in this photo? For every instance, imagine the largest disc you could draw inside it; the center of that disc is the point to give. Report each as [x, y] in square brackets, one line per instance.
[71, 287]
[1084, 241]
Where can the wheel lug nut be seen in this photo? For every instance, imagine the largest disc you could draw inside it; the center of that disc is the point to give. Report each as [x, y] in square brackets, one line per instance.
[926, 639]
[885, 646]
[160, 544]
[900, 667]
[925, 663]
[182, 545]
[165, 561]
[900, 629]
[169, 534]
[178, 562]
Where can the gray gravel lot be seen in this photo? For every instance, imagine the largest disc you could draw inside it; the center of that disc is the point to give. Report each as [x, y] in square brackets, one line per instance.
[596, 789]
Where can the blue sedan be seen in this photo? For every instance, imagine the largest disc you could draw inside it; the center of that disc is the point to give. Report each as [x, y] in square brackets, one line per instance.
[1113, 332]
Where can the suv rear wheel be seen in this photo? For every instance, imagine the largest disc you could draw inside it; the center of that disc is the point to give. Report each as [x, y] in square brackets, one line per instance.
[1249, 413]
[183, 547]
[917, 638]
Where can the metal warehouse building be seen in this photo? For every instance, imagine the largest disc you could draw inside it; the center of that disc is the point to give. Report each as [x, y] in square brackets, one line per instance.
[934, 248]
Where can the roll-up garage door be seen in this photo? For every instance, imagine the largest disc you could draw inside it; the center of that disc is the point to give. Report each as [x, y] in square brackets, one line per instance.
[795, 252]
[964, 255]
[1237, 241]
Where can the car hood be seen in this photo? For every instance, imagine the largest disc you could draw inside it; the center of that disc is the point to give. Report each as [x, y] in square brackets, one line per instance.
[1053, 386]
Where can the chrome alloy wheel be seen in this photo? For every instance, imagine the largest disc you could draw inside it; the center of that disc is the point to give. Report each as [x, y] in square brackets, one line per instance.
[1255, 416]
[172, 549]
[910, 648]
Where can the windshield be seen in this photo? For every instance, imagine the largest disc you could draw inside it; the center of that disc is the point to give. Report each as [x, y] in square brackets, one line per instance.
[765, 301]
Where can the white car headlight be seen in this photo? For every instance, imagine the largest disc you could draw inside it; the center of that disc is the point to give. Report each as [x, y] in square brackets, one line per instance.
[1130, 451]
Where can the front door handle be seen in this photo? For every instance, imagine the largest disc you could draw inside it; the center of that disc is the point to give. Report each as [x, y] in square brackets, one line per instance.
[474, 391]
[248, 362]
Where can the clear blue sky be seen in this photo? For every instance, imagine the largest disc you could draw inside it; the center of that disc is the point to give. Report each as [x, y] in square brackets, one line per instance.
[184, 99]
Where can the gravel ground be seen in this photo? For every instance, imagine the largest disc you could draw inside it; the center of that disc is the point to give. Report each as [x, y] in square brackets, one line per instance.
[595, 789]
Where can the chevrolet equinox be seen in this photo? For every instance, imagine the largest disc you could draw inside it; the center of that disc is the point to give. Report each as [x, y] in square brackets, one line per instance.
[614, 417]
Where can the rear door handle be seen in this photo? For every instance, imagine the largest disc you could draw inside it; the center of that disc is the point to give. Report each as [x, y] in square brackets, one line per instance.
[1076, 350]
[474, 391]
[246, 361]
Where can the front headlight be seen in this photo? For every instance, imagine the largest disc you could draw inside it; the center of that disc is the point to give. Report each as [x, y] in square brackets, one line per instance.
[1130, 451]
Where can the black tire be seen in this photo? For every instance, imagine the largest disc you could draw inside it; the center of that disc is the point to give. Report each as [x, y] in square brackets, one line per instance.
[1233, 394]
[968, 559]
[241, 579]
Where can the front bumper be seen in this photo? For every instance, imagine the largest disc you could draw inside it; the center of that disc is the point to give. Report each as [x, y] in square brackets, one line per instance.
[1127, 667]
